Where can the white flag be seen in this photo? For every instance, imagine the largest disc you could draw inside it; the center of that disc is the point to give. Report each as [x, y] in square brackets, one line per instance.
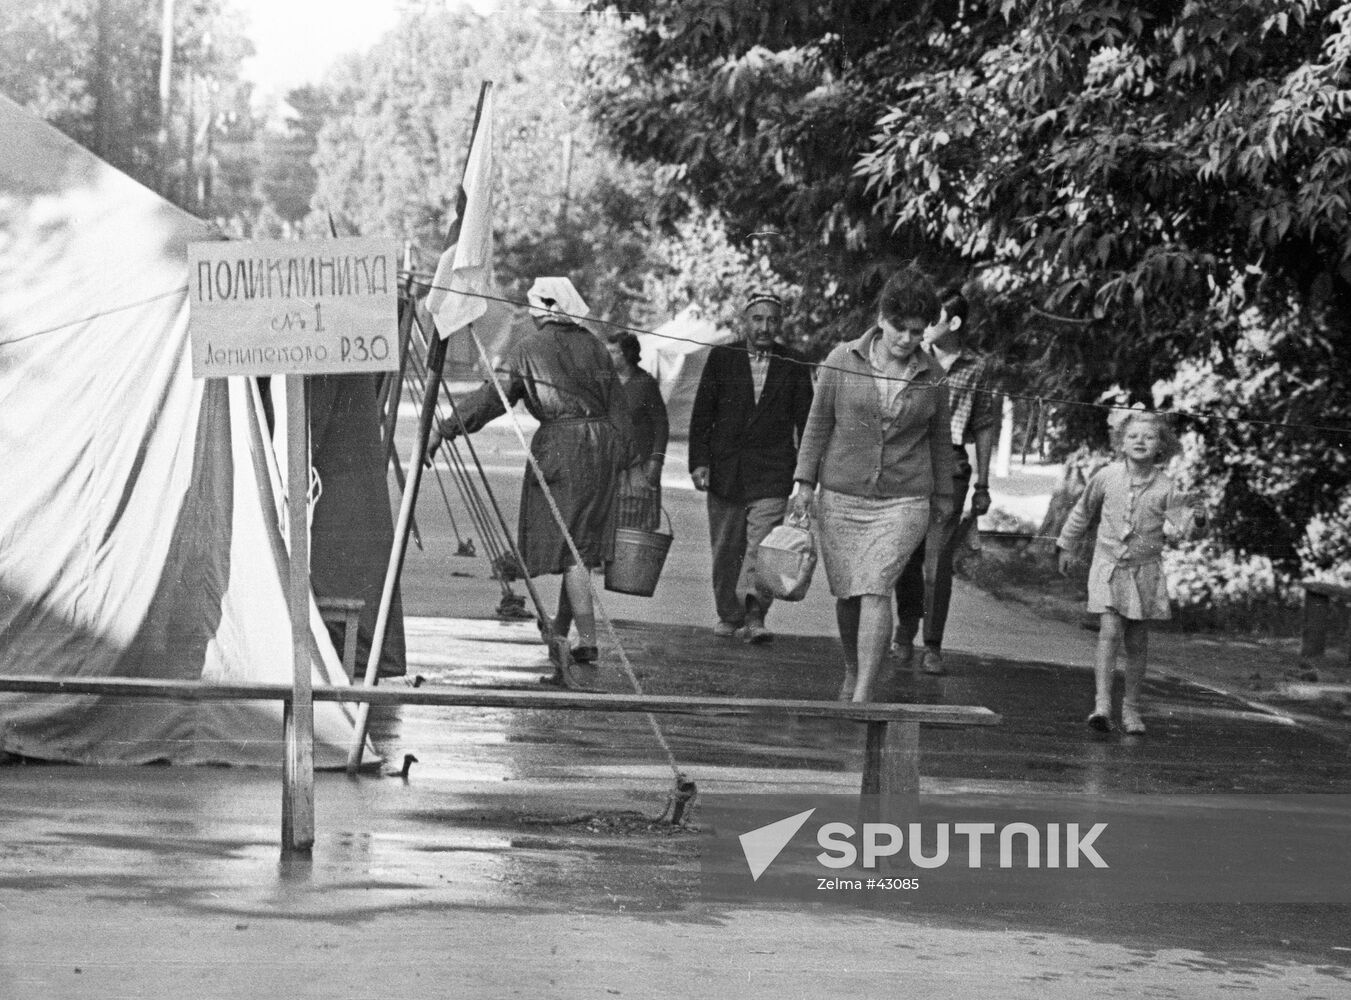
[466, 266]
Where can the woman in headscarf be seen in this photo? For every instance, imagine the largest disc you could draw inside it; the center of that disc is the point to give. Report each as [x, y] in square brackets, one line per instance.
[564, 375]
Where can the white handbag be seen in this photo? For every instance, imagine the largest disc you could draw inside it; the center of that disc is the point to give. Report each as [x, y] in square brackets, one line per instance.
[786, 559]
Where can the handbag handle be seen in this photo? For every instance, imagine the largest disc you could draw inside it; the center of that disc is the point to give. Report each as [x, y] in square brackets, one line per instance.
[799, 518]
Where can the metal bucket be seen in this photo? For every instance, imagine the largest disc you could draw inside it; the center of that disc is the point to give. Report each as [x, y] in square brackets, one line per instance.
[639, 557]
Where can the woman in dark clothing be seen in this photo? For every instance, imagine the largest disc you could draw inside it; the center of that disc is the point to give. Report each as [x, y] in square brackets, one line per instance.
[584, 443]
[640, 491]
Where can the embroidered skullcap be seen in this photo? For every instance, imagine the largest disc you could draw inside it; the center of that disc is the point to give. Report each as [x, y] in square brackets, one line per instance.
[556, 295]
[764, 295]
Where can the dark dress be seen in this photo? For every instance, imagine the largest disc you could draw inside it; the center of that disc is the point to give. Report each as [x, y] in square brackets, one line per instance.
[568, 383]
[640, 504]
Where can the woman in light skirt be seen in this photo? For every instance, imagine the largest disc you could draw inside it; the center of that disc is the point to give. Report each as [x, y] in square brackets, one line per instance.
[877, 453]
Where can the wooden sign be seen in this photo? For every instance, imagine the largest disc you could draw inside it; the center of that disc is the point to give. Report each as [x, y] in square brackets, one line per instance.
[286, 307]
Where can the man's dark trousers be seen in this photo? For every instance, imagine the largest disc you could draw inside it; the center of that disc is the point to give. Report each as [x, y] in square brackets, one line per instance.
[933, 561]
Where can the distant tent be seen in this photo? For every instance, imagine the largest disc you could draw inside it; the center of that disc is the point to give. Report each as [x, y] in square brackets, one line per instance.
[139, 523]
[674, 354]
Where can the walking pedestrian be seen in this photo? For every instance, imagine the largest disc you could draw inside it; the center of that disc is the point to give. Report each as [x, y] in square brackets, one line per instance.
[564, 375]
[1135, 500]
[877, 443]
[924, 590]
[640, 488]
[749, 413]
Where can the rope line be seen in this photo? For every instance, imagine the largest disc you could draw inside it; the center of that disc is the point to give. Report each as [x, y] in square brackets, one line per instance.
[821, 365]
[180, 290]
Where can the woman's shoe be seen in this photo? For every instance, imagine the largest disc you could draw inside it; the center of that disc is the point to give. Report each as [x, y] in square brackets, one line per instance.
[1131, 723]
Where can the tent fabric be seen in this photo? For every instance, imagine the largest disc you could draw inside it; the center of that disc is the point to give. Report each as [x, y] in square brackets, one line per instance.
[674, 354]
[138, 529]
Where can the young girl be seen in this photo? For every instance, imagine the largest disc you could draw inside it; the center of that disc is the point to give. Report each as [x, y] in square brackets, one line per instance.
[1125, 581]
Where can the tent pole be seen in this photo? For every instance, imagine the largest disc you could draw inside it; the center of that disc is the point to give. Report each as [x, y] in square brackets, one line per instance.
[436, 357]
[297, 817]
[390, 405]
[545, 621]
[392, 390]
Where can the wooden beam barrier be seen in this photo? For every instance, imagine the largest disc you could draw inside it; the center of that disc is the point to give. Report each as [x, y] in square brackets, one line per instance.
[891, 749]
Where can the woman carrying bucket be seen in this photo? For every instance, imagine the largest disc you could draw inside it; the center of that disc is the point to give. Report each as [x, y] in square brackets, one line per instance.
[640, 489]
[583, 447]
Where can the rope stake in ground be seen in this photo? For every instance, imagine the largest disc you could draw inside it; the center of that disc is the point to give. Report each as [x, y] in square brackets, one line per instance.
[601, 614]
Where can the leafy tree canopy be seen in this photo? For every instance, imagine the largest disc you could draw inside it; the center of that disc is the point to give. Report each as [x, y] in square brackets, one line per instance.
[91, 68]
[1120, 160]
[392, 161]
[1125, 181]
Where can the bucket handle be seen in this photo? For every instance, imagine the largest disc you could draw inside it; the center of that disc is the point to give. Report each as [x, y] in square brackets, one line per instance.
[670, 528]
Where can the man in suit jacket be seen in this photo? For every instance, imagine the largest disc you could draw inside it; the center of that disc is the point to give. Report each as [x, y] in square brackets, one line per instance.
[748, 417]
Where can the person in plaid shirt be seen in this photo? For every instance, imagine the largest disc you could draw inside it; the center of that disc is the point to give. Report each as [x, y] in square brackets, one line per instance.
[924, 589]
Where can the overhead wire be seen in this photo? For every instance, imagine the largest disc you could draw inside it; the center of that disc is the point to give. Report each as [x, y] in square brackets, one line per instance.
[1036, 399]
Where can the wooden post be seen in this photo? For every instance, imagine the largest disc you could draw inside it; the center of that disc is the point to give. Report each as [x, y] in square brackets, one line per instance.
[297, 808]
[1313, 632]
[890, 773]
[1003, 456]
[891, 759]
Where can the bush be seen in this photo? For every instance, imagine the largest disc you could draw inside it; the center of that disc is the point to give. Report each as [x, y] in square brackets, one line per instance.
[1325, 550]
[1214, 587]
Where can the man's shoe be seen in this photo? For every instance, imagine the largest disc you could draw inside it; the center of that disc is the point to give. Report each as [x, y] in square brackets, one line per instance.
[726, 630]
[903, 654]
[756, 633]
[933, 662]
[585, 654]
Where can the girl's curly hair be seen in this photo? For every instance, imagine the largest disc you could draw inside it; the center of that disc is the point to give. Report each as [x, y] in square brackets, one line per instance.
[1169, 445]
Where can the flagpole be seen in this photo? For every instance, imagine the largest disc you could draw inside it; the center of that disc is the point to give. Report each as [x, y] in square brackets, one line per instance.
[436, 358]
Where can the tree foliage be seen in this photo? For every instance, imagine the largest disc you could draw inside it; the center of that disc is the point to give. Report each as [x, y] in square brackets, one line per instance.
[392, 162]
[91, 68]
[1119, 181]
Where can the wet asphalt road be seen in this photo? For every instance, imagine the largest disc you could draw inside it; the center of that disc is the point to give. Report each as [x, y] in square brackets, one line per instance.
[519, 859]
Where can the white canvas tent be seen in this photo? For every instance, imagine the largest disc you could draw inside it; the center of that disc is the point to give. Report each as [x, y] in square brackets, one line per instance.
[138, 520]
[674, 355]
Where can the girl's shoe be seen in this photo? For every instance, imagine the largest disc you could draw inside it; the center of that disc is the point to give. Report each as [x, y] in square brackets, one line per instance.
[1100, 721]
[1131, 722]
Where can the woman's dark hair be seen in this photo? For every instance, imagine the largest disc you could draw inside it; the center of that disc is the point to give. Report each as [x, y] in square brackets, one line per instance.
[909, 294]
[628, 346]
